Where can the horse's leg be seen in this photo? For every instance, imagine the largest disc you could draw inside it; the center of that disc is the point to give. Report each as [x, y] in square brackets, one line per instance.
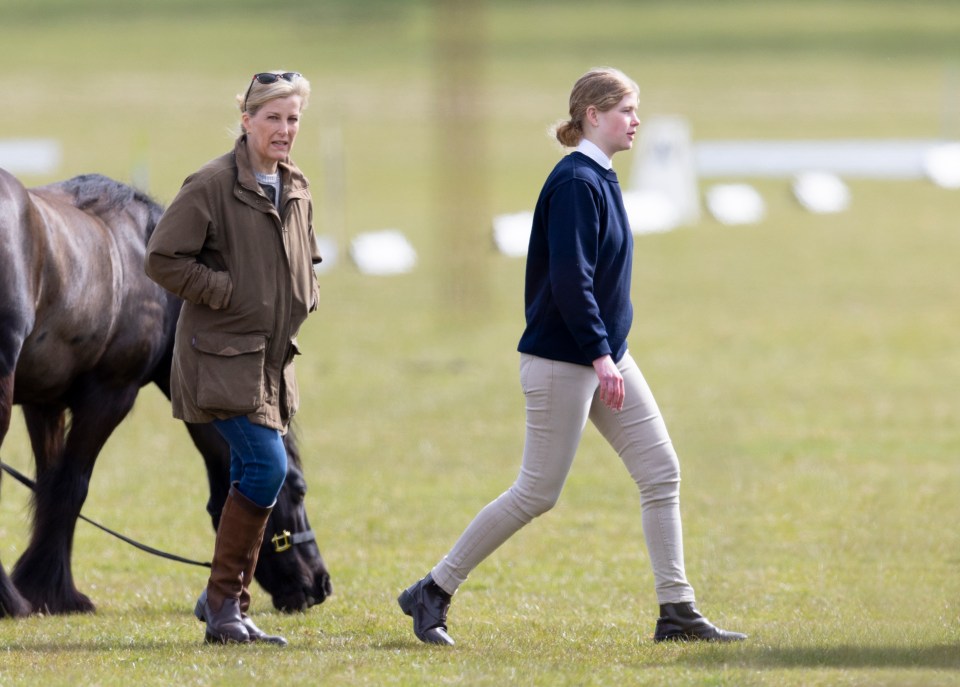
[44, 574]
[11, 602]
[216, 456]
[46, 426]
[212, 446]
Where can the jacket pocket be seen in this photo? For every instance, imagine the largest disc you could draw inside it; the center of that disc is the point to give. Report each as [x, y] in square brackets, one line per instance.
[230, 371]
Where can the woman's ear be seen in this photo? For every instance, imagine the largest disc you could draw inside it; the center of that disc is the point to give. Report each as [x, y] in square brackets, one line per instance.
[591, 115]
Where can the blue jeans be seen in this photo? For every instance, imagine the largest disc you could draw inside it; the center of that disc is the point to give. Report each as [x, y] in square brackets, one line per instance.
[258, 459]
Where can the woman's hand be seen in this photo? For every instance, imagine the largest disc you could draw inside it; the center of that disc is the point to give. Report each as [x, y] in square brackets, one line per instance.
[611, 383]
[221, 288]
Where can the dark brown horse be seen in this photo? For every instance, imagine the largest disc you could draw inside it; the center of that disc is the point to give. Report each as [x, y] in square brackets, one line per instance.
[82, 329]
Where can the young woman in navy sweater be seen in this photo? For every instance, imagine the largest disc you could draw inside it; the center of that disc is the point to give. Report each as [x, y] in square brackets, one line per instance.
[575, 366]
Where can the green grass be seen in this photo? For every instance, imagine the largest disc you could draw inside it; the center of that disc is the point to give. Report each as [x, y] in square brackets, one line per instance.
[807, 366]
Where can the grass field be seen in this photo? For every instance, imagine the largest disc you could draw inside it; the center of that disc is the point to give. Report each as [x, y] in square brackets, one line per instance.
[807, 366]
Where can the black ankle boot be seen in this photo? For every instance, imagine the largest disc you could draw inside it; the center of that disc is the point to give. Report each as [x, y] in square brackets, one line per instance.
[682, 622]
[427, 604]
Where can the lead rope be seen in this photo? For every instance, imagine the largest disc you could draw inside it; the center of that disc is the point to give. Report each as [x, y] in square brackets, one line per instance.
[32, 486]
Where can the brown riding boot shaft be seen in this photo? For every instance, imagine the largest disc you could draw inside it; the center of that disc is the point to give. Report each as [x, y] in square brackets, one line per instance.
[239, 535]
[249, 570]
[256, 634]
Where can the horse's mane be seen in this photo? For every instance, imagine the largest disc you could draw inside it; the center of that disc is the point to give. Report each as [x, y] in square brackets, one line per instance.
[99, 195]
[293, 449]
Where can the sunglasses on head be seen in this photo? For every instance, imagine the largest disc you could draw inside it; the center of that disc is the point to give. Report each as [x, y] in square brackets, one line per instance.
[268, 78]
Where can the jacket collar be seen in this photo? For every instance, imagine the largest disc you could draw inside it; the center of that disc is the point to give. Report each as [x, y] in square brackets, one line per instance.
[294, 184]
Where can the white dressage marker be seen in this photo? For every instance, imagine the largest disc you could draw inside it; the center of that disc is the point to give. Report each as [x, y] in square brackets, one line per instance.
[735, 204]
[821, 192]
[511, 233]
[330, 253]
[651, 211]
[383, 252]
[663, 168]
[942, 164]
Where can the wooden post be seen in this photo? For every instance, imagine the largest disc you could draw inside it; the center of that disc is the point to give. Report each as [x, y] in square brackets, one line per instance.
[463, 217]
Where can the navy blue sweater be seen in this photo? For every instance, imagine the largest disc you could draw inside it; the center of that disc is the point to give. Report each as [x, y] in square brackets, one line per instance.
[579, 262]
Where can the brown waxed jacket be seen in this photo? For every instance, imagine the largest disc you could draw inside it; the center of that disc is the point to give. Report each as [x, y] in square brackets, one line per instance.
[246, 276]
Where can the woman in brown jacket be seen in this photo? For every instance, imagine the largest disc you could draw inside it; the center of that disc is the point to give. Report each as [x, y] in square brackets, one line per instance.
[237, 245]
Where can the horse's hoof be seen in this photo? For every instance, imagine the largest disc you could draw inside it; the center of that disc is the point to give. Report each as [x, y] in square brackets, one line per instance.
[80, 603]
[13, 605]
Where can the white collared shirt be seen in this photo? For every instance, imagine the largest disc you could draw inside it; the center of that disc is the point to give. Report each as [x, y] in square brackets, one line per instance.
[591, 150]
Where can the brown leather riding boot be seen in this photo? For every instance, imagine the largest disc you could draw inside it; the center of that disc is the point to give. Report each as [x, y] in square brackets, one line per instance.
[239, 534]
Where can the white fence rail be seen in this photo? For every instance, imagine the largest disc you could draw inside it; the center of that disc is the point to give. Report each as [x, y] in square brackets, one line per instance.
[864, 159]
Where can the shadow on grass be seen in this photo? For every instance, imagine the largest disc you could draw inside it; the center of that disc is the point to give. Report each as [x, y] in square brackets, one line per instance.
[941, 656]
[92, 646]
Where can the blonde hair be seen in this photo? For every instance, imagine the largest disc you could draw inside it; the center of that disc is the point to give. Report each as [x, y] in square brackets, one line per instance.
[260, 93]
[602, 88]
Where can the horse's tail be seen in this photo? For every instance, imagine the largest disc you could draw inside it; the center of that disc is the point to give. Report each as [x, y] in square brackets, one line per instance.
[13, 199]
[16, 277]
[16, 304]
